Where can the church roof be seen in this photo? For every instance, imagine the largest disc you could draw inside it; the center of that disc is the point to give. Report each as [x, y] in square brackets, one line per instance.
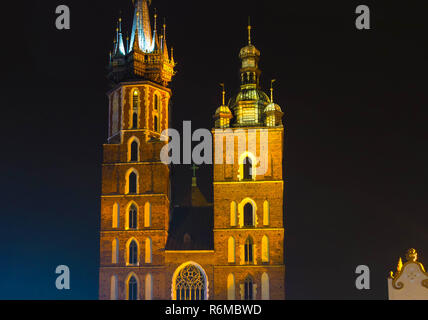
[191, 228]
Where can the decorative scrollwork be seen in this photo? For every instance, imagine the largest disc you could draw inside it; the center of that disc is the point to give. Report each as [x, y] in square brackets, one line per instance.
[397, 285]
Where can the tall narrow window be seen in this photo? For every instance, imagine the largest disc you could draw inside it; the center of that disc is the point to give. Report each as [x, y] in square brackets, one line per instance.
[265, 287]
[148, 258]
[115, 251]
[135, 101]
[132, 181]
[265, 249]
[266, 213]
[248, 215]
[231, 250]
[248, 289]
[249, 244]
[132, 289]
[248, 169]
[132, 217]
[147, 215]
[134, 151]
[113, 287]
[156, 102]
[149, 287]
[233, 215]
[230, 287]
[156, 124]
[115, 216]
[134, 120]
[133, 253]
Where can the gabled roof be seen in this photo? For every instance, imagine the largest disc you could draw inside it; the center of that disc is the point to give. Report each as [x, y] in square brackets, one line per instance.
[191, 228]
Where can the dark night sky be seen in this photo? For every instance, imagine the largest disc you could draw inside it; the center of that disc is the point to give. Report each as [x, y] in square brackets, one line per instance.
[356, 110]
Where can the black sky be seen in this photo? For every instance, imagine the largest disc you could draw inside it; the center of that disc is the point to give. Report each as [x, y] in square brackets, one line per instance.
[356, 112]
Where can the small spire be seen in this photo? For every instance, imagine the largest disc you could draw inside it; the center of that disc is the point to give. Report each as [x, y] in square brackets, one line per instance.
[399, 265]
[223, 93]
[271, 90]
[172, 54]
[249, 31]
[155, 23]
[194, 168]
[135, 45]
[164, 46]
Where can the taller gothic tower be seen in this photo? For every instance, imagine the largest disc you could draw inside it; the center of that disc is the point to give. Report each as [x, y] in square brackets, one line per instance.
[135, 197]
[248, 190]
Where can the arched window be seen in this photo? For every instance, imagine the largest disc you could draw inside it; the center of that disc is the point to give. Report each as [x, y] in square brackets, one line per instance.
[147, 215]
[248, 215]
[266, 213]
[132, 288]
[115, 251]
[248, 289]
[135, 102]
[148, 258]
[230, 287]
[189, 283]
[115, 215]
[132, 182]
[233, 214]
[132, 217]
[156, 102]
[113, 287]
[231, 250]
[149, 287]
[248, 169]
[133, 253]
[265, 286]
[134, 120]
[248, 250]
[156, 124]
[265, 249]
[134, 151]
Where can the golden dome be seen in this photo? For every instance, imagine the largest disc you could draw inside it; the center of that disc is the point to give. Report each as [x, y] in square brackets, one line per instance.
[272, 107]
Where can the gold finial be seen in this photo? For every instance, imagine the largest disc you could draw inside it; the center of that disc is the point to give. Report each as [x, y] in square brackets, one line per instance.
[164, 28]
[399, 265]
[172, 54]
[223, 92]
[271, 90]
[249, 31]
[412, 255]
[156, 16]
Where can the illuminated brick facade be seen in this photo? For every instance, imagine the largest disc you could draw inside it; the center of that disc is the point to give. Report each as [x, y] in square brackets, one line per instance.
[149, 249]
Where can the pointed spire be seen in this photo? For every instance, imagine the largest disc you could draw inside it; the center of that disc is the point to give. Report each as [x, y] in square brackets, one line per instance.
[249, 31]
[142, 24]
[223, 93]
[136, 44]
[399, 265]
[164, 46]
[271, 90]
[120, 48]
[155, 34]
[172, 55]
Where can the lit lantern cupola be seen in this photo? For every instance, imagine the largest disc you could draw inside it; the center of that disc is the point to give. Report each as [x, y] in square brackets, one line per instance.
[249, 104]
[223, 115]
[273, 112]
